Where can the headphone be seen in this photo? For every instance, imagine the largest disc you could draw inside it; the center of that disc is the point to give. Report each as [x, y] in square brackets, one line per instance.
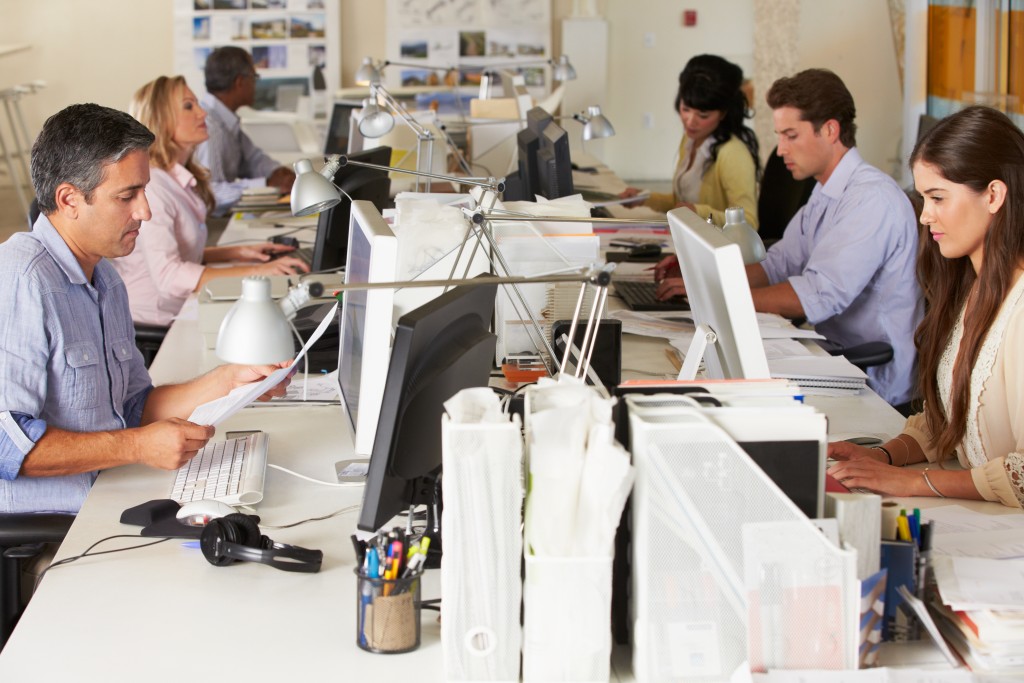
[236, 538]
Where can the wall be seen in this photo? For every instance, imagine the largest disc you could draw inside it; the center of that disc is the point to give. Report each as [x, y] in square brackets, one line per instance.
[102, 50]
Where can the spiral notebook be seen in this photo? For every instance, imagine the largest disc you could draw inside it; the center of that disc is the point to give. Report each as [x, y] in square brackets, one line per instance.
[819, 372]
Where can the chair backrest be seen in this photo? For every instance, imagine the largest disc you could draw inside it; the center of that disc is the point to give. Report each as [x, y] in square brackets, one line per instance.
[780, 198]
[33, 213]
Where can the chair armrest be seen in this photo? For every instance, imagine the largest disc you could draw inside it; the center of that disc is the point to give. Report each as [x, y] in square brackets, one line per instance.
[18, 528]
[154, 333]
[864, 355]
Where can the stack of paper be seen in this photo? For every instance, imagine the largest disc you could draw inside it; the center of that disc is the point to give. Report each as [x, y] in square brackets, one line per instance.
[820, 372]
[980, 609]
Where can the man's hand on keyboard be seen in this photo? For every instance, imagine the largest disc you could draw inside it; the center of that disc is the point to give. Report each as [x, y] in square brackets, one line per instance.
[169, 444]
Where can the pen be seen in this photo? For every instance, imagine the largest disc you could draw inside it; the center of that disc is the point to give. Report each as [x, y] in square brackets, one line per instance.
[903, 528]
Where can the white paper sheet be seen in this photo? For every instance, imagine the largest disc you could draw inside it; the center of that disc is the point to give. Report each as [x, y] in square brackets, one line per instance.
[974, 583]
[216, 411]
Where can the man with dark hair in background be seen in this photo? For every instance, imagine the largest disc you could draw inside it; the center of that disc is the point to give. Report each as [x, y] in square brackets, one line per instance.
[235, 162]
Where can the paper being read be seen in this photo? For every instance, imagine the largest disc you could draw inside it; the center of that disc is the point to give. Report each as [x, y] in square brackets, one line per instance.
[216, 411]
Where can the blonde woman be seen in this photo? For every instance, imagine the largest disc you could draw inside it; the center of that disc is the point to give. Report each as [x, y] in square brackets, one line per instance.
[171, 259]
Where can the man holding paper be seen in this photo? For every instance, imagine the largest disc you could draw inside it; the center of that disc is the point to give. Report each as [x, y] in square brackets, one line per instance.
[75, 396]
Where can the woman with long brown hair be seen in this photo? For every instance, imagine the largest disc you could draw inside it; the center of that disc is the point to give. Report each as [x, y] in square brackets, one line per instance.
[970, 171]
[170, 258]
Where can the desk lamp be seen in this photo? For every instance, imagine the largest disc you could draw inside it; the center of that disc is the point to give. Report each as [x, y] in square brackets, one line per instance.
[376, 122]
[315, 192]
[255, 330]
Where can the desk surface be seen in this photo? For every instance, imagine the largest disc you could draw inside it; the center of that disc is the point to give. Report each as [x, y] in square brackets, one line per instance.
[117, 617]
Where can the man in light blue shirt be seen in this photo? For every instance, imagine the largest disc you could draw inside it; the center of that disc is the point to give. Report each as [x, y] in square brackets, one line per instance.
[847, 259]
[234, 160]
[75, 396]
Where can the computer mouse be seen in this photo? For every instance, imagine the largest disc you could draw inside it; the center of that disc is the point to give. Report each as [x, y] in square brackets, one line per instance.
[646, 250]
[200, 512]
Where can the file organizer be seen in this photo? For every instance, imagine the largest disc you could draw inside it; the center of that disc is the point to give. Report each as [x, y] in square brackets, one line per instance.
[482, 531]
[726, 570]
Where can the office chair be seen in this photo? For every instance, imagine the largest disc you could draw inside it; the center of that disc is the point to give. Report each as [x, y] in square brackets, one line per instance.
[149, 338]
[33, 212]
[22, 536]
[781, 196]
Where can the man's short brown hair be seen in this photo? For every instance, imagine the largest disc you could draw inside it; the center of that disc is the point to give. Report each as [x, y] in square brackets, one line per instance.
[820, 95]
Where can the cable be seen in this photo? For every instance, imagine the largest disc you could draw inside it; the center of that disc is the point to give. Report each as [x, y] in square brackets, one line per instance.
[350, 508]
[86, 553]
[311, 479]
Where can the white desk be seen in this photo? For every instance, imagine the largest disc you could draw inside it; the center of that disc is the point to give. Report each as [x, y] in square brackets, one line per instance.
[163, 613]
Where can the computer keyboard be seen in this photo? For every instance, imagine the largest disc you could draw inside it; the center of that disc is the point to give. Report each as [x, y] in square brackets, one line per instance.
[640, 296]
[304, 254]
[231, 471]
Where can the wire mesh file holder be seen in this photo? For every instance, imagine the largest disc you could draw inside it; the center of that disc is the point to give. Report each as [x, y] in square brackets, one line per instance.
[727, 572]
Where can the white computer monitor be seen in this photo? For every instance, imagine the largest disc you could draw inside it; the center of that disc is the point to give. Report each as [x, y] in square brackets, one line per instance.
[720, 301]
[366, 324]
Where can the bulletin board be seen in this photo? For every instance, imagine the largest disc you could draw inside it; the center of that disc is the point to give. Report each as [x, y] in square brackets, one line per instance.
[469, 35]
[287, 38]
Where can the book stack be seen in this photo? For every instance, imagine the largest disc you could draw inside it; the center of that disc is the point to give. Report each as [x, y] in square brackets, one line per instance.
[820, 374]
[979, 607]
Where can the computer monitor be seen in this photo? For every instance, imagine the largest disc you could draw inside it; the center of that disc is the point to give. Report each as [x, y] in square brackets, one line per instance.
[529, 142]
[359, 183]
[366, 322]
[719, 294]
[268, 97]
[554, 166]
[440, 348]
[336, 141]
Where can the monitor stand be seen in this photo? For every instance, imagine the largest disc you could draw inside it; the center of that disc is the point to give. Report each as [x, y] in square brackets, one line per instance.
[703, 337]
[433, 530]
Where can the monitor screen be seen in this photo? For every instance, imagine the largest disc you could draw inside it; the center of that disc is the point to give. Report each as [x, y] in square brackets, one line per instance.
[267, 95]
[336, 141]
[365, 324]
[358, 183]
[440, 348]
[719, 295]
[528, 186]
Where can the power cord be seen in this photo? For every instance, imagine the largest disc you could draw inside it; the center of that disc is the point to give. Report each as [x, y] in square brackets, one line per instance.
[315, 481]
[87, 553]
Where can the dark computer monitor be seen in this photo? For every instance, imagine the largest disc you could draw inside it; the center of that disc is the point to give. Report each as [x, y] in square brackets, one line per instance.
[440, 348]
[280, 94]
[554, 167]
[336, 141]
[526, 185]
[369, 184]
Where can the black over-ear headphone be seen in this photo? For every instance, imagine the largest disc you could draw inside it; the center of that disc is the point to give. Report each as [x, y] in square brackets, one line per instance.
[236, 538]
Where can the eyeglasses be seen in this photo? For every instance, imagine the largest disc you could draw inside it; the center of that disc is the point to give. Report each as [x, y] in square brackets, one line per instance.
[255, 76]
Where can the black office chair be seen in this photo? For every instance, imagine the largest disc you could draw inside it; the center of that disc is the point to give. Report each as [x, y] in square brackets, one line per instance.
[780, 198]
[149, 338]
[22, 536]
[33, 213]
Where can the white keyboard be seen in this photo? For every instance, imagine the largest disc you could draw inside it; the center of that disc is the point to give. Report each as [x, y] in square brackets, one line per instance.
[231, 471]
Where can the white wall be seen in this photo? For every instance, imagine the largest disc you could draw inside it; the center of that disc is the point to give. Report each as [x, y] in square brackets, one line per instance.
[102, 50]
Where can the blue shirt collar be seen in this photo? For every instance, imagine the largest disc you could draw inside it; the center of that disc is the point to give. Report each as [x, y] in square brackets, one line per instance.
[217, 108]
[840, 178]
[60, 252]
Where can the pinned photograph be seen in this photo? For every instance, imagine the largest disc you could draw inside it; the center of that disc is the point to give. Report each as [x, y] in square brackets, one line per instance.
[472, 43]
[270, 56]
[414, 49]
[201, 28]
[269, 29]
[228, 4]
[308, 26]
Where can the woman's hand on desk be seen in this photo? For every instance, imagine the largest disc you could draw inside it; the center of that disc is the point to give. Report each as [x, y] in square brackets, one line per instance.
[631, 192]
[859, 467]
[262, 252]
[667, 267]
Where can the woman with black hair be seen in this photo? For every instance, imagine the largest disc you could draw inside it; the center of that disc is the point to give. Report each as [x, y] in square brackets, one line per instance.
[718, 165]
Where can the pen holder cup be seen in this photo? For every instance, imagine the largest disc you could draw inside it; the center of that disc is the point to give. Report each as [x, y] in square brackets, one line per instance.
[388, 614]
[567, 619]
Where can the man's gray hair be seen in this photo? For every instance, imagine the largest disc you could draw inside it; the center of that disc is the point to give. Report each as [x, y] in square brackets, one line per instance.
[76, 145]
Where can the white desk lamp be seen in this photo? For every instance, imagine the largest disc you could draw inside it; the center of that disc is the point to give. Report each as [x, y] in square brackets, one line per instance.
[315, 192]
[255, 330]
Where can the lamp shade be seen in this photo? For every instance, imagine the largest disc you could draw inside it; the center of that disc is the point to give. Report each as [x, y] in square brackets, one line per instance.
[739, 231]
[564, 71]
[596, 124]
[367, 73]
[375, 122]
[255, 331]
[311, 193]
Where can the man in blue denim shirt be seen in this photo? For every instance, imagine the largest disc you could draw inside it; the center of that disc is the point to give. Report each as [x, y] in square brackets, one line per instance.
[75, 396]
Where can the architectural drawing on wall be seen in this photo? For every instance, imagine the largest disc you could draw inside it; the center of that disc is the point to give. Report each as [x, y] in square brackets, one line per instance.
[294, 43]
[457, 40]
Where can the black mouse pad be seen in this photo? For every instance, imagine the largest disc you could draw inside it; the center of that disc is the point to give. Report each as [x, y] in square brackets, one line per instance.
[157, 518]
